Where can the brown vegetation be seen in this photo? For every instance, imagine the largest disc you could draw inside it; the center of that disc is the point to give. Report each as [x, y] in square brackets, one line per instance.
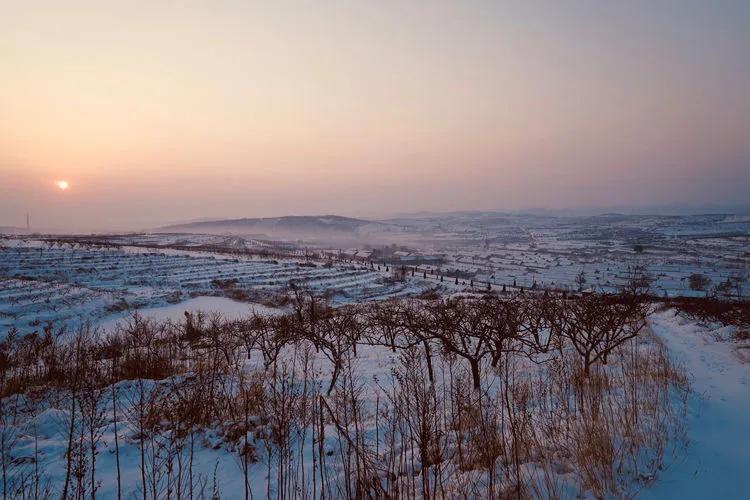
[490, 396]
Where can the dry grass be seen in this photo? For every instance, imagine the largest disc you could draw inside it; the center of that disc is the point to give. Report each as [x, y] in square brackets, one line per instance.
[487, 398]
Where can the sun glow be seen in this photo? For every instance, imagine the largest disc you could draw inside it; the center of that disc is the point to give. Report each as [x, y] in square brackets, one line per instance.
[62, 185]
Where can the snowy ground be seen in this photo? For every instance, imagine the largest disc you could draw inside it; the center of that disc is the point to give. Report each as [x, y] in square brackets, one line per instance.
[229, 309]
[717, 460]
[71, 284]
[214, 460]
[714, 464]
[40, 282]
[501, 248]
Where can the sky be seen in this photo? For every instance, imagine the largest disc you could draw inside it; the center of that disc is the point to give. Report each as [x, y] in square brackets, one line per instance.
[158, 112]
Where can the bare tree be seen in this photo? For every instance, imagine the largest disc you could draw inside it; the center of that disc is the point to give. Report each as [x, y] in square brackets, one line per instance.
[596, 324]
[339, 331]
[462, 327]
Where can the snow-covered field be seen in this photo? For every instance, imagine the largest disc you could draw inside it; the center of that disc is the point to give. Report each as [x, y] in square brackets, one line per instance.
[161, 276]
[42, 282]
[553, 251]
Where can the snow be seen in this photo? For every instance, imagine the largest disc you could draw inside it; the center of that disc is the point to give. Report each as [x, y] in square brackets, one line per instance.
[715, 463]
[228, 308]
[71, 285]
[39, 283]
[717, 460]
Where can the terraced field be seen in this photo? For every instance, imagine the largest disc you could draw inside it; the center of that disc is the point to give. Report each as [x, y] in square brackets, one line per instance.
[40, 282]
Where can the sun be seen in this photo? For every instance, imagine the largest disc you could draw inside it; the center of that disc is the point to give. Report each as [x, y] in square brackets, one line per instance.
[62, 185]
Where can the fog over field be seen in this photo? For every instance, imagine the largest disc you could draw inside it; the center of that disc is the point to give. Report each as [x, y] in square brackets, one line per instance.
[382, 250]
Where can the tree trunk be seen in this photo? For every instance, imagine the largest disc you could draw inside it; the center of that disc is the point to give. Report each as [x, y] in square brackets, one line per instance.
[428, 355]
[334, 376]
[587, 365]
[474, 363]
[117, 443]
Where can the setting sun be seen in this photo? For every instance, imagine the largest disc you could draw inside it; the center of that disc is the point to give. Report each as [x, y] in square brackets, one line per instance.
[62, 185]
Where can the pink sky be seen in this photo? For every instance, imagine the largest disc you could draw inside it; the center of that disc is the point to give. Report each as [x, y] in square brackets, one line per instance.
[158, 112]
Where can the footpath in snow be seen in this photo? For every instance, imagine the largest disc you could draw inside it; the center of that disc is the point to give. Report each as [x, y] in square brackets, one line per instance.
[716, 463]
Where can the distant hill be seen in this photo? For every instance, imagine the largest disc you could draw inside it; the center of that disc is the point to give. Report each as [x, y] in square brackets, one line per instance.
[13, 230]
[308, 227]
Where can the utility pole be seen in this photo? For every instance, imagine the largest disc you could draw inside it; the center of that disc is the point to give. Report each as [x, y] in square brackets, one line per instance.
[28, 225]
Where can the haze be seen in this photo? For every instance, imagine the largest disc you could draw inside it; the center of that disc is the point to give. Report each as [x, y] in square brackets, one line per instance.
[157, 112]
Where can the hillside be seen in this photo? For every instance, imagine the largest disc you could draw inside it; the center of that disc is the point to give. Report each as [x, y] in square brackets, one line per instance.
[323, 227]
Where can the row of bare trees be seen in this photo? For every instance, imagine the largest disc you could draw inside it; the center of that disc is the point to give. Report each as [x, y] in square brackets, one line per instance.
[487, 396]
